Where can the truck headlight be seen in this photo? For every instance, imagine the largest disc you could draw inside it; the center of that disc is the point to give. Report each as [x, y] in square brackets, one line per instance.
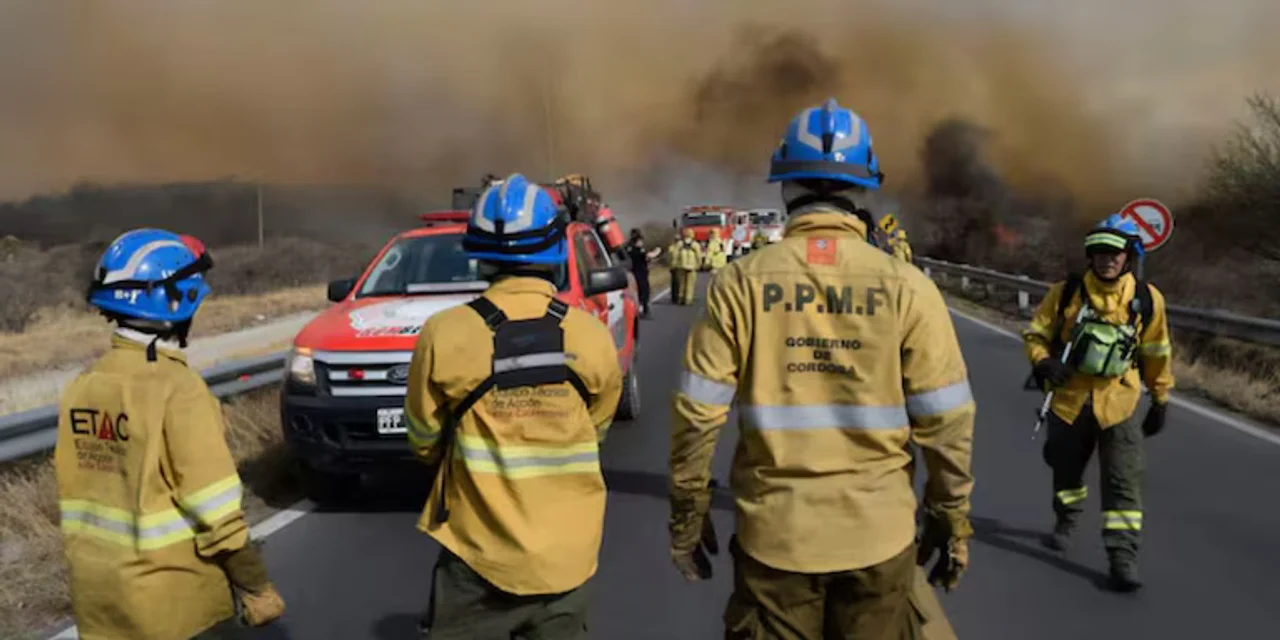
[302, 366]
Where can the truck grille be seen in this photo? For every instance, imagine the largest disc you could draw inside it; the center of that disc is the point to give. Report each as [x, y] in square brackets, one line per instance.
[364, 373]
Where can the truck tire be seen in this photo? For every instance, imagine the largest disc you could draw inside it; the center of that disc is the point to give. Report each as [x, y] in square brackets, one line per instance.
[629, 403]
[323, 487]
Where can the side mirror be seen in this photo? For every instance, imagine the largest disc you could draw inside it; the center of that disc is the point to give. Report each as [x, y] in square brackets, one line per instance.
[340, 289]
[605, 280]
[673, 224]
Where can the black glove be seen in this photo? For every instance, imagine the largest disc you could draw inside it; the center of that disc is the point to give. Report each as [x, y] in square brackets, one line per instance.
[948, 538]
[1052, 371]
[1154, 423]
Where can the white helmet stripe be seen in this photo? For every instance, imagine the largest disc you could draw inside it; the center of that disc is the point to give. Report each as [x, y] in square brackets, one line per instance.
[814, 138]
[478, 218]
[804, 134]
[130, 270]
[524, 221]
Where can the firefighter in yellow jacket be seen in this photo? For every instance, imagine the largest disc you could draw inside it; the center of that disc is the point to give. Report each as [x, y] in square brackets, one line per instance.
[511, 427]
[686, 260]
[1118, 335]
[716, 256]
[153, 531]
[676, 276]
[901, 248]
[838, 357]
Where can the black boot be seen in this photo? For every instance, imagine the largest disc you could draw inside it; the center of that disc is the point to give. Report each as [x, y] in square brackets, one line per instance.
[1124, 573]
[1060, 539]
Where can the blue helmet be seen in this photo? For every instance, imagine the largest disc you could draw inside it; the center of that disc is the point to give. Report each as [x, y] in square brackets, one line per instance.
[516, 221]
[1115, 232]
[827, 143]
[152, 275]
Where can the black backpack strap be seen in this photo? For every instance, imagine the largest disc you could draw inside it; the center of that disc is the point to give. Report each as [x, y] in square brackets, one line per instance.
[558, 309]
[579, 386]
[1145, 308]
[493, 316]
[1073, 284]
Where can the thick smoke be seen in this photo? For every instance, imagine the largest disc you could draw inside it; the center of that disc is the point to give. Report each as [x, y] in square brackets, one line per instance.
[663, 102]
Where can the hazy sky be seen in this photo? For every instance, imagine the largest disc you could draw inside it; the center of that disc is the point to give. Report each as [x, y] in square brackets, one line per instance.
[1108, 95]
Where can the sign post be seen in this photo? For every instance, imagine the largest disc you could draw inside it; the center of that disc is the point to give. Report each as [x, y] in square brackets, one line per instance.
[1154, 220]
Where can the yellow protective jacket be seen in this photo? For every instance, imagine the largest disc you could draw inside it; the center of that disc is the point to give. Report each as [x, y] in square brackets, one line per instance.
[687, 255]
[715, 256]
[525, 493]
[838, 355]
[1114, 399]
[901, 250]
[148, 494]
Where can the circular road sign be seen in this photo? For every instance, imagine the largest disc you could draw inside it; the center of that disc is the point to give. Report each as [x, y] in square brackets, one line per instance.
[1155, 222]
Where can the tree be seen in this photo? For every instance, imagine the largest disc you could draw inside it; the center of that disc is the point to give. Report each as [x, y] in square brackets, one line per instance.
[1242, 185]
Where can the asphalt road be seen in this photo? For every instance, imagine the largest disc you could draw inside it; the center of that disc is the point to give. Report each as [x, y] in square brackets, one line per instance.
[1209, 560]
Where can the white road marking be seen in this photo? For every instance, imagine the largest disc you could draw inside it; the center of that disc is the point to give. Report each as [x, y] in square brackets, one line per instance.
[1243, 426]
[281, 519]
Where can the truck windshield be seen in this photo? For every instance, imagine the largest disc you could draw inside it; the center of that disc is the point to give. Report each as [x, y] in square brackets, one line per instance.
[767, 218]
[429, 264]
[704, 219]
[422, 265]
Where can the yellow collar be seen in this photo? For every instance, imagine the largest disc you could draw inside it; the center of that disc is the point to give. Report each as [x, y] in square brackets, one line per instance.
[522, 284]
[825, 222]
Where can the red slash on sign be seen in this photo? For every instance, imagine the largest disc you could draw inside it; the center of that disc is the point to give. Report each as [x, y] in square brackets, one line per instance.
[1155, 222]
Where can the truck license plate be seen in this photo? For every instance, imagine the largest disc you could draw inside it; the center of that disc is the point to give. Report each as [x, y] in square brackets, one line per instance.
[391, 421]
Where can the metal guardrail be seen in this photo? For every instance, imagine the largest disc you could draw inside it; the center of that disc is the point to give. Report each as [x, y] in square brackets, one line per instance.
[1215, 321]
[35, 430]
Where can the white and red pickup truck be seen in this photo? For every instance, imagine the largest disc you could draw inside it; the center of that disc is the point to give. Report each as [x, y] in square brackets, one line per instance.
[342, 406]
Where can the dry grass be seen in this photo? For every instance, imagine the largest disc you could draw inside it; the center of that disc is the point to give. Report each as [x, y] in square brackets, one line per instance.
[33, 578]
[62, 336]
[1240, 376]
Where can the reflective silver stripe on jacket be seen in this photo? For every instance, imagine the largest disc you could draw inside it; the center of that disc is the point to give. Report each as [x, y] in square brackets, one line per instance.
[939, 401]
[528, 362]
[824, 416]
[706, 390]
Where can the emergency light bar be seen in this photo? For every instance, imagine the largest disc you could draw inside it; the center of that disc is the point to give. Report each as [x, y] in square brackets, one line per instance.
[444, 217]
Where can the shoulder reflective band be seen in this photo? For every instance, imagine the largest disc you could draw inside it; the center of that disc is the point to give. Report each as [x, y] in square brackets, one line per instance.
[939, 401]
[824, 416]
[706, 390]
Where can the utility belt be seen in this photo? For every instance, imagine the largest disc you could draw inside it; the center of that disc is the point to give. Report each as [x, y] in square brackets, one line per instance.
[526, 353]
